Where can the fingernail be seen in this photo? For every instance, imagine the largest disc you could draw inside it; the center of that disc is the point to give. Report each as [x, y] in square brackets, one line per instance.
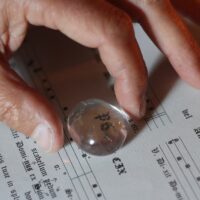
[44, 136]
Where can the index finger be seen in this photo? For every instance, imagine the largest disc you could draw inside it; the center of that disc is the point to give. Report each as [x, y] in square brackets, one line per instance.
[166, 28]
[99, 24]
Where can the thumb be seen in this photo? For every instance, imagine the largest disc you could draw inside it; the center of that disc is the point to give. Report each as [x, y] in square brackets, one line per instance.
[22, 109]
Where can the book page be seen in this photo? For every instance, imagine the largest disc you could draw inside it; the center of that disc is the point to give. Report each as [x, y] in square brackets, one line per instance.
[160, 159]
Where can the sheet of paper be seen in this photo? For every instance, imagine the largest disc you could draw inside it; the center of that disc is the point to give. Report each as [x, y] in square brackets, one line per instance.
[160, 160]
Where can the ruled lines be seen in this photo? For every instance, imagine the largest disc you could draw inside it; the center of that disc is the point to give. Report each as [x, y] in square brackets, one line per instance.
[75, 162]
[184, 167]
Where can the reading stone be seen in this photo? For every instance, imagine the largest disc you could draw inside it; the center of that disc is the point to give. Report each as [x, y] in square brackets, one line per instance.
[98, 127]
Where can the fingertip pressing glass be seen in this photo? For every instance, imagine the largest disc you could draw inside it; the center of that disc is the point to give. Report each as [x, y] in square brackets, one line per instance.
[98, 127]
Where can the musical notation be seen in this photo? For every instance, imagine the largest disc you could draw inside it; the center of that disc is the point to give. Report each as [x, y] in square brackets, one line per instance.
[156, 115]
[183, 166]
[75, 163]
[171, 173]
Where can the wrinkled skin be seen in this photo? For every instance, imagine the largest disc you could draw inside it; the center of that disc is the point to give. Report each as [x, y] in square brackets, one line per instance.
[106, 25]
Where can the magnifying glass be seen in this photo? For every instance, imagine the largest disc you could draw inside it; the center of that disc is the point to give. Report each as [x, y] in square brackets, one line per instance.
[98, 127]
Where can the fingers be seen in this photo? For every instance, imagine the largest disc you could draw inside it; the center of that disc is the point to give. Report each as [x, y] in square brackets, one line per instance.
[190, 9]
[124, 62]
[24, 110]
[169, 32]
[100, 25]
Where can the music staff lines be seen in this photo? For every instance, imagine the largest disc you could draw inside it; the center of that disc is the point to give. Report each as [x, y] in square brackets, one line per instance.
[77, 175]
[101, 194]
[190, 155]
[158, 102]
[173, 170]
[81, 175]
[82, 168]
[186, 164]
[74, 187]
[156, 115]
[84, 173]
[184, 175]
[69, 177]
[153, 117]
[50, 93]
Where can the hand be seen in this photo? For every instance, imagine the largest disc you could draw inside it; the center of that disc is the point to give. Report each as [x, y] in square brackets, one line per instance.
[106, 25]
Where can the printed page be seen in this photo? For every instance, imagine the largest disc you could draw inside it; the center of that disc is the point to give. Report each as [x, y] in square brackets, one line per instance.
[160, 159]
